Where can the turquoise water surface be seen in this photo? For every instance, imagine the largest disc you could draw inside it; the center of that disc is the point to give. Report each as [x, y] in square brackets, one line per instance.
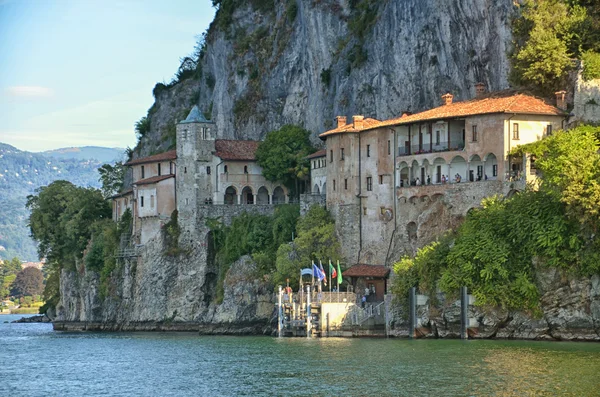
[36, 361]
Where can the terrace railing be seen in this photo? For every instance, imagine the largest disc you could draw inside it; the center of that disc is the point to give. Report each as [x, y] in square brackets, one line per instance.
[442, 146]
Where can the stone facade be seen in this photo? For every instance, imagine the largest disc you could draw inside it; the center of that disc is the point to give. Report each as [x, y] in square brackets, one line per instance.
[393, 186]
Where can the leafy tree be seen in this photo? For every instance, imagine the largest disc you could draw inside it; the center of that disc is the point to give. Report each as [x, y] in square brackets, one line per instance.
[111, 177]
[282, 156]
[316, 241]
[29, 281]
[62, 218]
[5, 283]
[549, 35]
[591, 65]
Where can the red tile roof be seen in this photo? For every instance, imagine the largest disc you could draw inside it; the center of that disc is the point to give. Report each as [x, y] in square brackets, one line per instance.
[153, 179]
[367, 271]
[320, 153]
[508, 101]
[367, 123]
[236, 150]
[170, 155]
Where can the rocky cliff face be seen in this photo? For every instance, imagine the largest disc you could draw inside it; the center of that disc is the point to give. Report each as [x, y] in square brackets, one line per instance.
[157, 292]
[305, 62]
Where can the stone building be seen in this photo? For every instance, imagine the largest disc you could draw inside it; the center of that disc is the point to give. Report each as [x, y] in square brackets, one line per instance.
[152, 197]
[394, 185]
[218, 171]
[318, 172]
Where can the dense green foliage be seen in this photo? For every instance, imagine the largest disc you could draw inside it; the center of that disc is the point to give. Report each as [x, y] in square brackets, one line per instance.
[171, 233]
[29, 282]
[23, 172]
[63, 219]
[496, 250]
[316, 240]
[255, 235]
[282, 156]
[111, 177]
[549, 35]
[591, 65]
[8, 272]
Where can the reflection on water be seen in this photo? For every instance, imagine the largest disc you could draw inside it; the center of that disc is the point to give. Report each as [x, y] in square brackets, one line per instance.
[35, 361]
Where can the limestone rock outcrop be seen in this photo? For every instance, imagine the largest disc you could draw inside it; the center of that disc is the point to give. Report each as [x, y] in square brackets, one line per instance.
[267, 69]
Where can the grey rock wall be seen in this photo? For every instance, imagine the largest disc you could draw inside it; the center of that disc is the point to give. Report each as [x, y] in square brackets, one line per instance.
[416, 51]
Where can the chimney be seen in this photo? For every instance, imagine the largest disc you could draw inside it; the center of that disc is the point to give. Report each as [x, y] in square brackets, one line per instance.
[357, 121]
[447, 98]
[341, 121]
[560, 100]
[479, 89]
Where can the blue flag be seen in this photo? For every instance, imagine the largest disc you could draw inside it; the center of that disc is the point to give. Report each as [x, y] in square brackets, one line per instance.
[318, 273]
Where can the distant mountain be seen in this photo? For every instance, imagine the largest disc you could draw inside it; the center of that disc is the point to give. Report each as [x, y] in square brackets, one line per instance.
[21, 173]
[102, 154]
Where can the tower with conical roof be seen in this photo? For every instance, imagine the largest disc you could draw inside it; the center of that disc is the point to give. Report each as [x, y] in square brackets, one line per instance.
[195, 147]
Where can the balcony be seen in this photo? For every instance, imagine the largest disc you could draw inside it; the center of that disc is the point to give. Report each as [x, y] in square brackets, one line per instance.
[442, 146]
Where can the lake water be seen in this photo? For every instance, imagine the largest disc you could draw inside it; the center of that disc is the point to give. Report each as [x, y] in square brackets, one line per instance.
[36, 361]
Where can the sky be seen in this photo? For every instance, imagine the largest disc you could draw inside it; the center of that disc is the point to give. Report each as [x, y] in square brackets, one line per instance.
[81, 72]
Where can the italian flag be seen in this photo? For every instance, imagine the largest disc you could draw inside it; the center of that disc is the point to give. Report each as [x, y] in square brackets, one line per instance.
[332, 271]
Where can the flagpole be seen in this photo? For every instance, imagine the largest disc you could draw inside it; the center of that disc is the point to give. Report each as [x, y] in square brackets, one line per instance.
[338, 280]
[330, 277]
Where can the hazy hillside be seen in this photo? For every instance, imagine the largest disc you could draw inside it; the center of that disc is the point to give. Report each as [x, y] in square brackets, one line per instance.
[102, 154]
[23, 172]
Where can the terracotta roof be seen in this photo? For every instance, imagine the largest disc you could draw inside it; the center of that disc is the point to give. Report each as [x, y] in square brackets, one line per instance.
[123, 193]
[153, 179]
[320, 153]
[367, 271]
[497, 102]
[236, 150]
[170, 155]
[507, 101]
[367, 123]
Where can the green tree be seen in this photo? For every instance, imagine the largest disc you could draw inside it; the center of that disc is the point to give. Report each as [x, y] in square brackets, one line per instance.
[282, 156]
[111, 177]
[548, 36]
[29, 281]
[316, 240]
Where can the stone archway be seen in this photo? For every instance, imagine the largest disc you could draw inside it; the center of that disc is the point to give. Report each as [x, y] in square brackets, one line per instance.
[278, 195]
[491, 167]
[475, 168]
[316, 189]
[230, 196]
[458, 167]
[247, 195]
[262, 196]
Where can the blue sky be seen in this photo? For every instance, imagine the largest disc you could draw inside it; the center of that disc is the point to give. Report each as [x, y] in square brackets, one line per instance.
[76, 73]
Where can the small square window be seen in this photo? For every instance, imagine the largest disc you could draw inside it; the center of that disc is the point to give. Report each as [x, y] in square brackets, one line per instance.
[549, 130]
[475, 133]
[331, 155]
[516, 131]
[225, 169]
[369, 184]
[346, 184]
[381, 179]
[342, 154]
[389, 147]
[208, 170]
[245, 169]
[334, 185]
[368, 150]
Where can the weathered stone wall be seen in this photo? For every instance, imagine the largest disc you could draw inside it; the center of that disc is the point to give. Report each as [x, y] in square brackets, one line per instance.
[570, 309]
[586, 101]
[308, 200]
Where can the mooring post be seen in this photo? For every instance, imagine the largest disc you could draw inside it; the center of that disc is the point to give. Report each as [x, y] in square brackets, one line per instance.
[464, 313]
[412, 312]
[280, 314]
[308, 315]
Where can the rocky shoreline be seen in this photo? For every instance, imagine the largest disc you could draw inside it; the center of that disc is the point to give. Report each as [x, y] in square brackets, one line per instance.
[34, 319]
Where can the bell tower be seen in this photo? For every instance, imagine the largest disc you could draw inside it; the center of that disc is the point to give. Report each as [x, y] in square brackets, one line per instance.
[195, 147]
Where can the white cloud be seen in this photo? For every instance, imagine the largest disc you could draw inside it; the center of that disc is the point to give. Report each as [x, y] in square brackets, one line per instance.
[30, 91]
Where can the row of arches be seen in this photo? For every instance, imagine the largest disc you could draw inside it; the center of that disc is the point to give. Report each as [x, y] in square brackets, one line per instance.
[261, 196]
[322, 190]
[438, 171]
